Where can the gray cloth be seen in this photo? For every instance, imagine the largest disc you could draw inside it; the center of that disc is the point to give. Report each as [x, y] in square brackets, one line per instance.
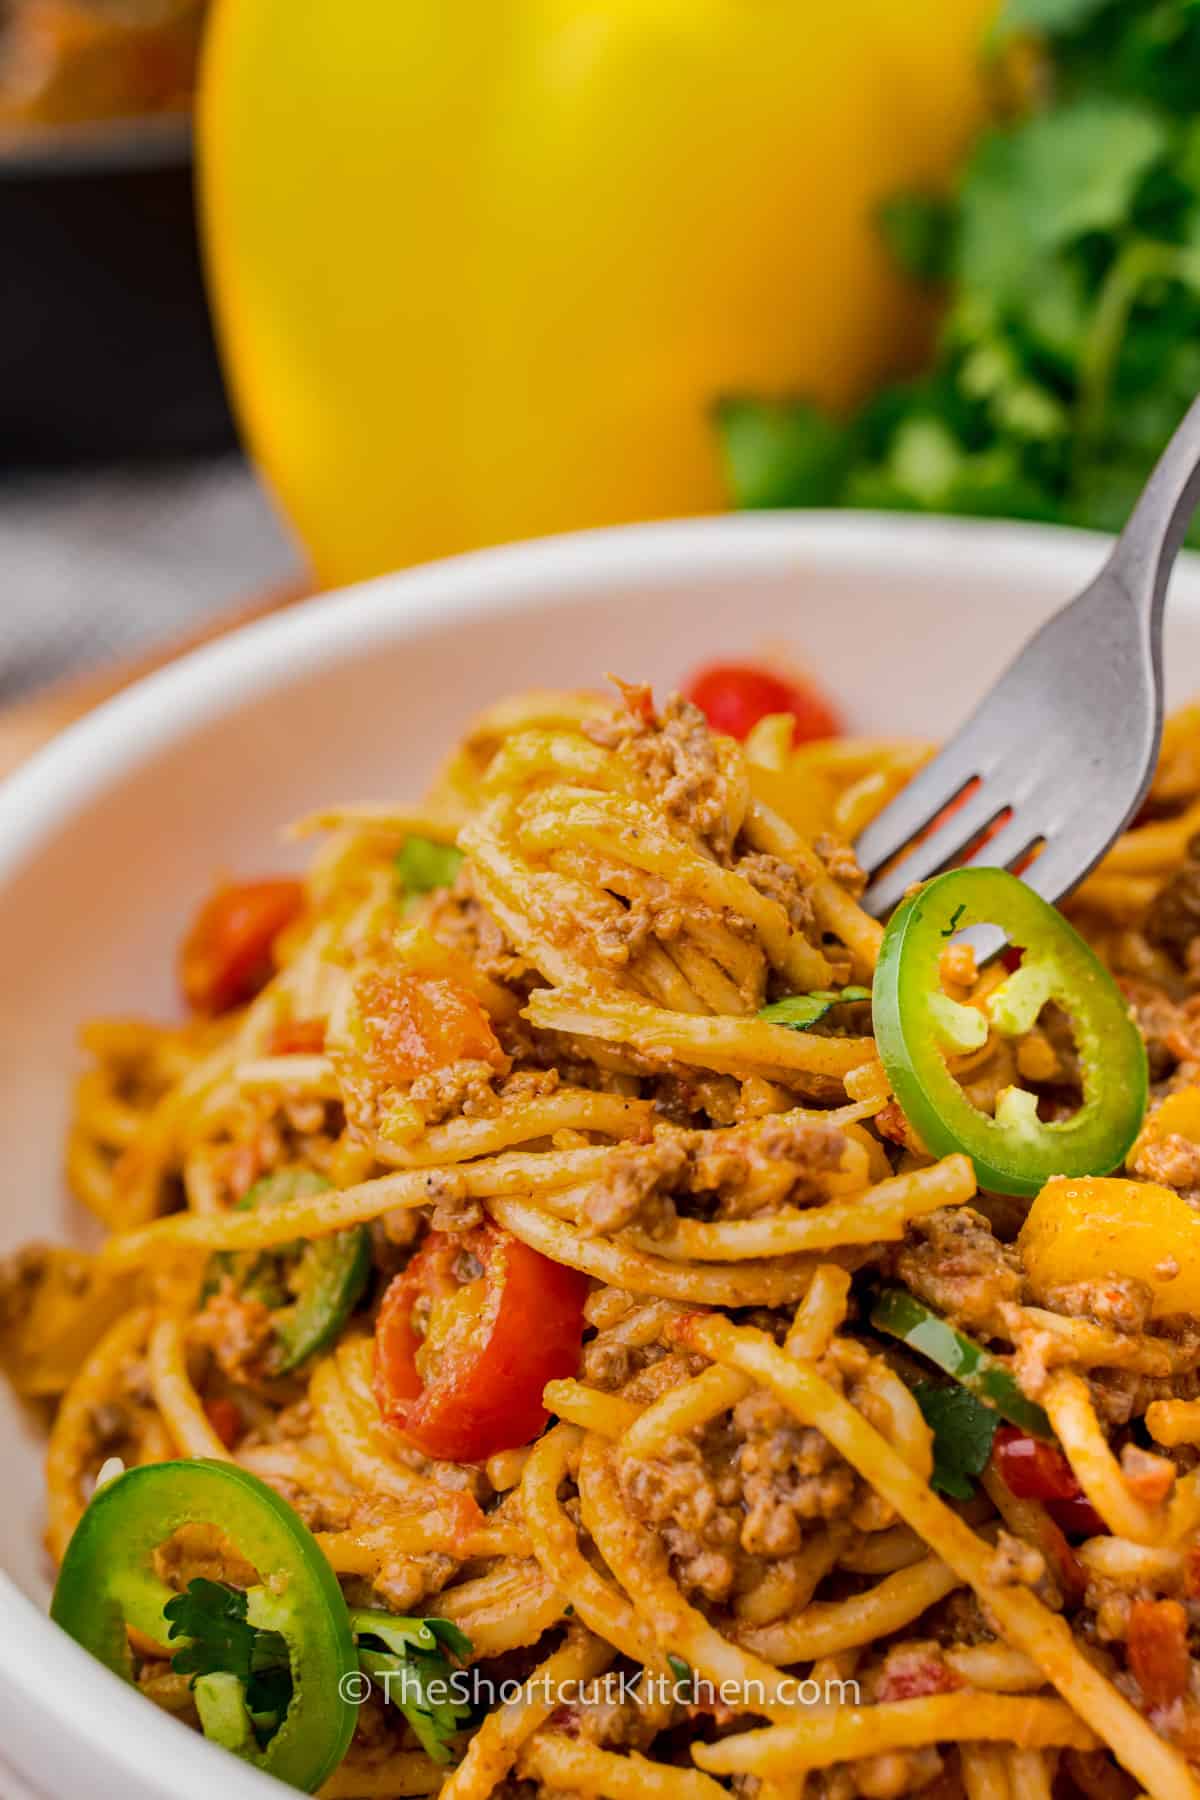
[97, 564]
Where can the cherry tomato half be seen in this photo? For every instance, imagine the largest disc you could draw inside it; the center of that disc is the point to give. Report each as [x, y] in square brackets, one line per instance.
[226, 956]
[734, 696]
[461, 1359]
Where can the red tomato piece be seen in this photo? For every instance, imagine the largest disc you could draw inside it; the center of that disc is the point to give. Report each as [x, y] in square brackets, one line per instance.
[915, 1674]
[225, 1420]
[1032, 1469]
[1062, 1559]
[460, 1364]
[734, 696]
[226, 956]
[1158, 1650]
[298, 1037]
[1077, 1517]
[1191, 1577]
[415, 1024]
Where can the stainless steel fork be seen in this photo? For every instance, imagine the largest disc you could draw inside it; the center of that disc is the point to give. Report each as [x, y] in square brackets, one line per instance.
[1064, 746]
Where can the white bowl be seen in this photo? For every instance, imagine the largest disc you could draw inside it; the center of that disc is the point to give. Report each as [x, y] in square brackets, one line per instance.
[109, 836]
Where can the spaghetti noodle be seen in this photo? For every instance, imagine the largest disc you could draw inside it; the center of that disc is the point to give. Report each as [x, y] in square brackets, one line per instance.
[511, 1125]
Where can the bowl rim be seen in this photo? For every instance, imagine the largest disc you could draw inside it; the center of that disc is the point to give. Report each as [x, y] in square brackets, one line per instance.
[47, 1684]
[267, 653]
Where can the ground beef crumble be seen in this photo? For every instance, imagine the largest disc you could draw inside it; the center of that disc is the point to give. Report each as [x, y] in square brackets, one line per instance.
[676, 755]
[1169, 1028]
[460, 1089]
[1173, 916]
[748, 1171]
[951, 1260]
[778, 881]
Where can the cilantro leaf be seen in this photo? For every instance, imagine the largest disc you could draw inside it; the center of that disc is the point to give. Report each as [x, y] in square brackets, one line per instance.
[409, 1660]
[799, 1012]
[423, 864]
[1048, 182]
[963, 1429]
[213, 1617]
[781, 453]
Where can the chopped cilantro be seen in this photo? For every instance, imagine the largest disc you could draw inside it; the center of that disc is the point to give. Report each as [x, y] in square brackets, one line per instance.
[799, 1012]
[779, 453]
[1069, 249]
[212, 1616]
[423, 864]
[963, 1429]
[411, 1661]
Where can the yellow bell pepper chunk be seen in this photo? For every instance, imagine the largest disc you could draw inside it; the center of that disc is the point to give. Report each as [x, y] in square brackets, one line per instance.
[481, 270]
[1100, 1228]
[1178, 1116]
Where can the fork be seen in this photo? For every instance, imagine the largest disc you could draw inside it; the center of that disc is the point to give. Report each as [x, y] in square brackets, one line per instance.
[1061, 752]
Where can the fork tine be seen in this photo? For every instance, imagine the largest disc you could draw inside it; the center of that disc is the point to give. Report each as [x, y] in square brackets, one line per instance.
[951, 838]
[1008, 846]
[1062, 864]
[929, 792]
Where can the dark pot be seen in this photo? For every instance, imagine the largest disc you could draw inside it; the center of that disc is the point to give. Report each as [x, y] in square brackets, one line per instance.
[106, 349]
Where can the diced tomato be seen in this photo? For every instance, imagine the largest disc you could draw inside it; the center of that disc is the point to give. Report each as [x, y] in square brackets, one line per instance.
[226, 956]
[734, 696]
[1158, 1650]
[915, 1675]
[1077, 1517]
[458, 1513]
[1148, 1477]
[298, 1037]
[460, 1363]
[1032, 1469]
[225, 1420]
[1068, 1569]
[415, 1024]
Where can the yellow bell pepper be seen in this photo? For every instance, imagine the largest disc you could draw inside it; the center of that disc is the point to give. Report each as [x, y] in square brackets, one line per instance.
[1177, 1116]
[481, 267]
[1101, 1227]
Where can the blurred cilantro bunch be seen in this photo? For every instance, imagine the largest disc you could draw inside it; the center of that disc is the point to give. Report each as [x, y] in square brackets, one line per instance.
[1070, 255]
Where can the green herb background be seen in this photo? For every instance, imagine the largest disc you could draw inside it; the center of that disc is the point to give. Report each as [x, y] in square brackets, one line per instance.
[1070, 258]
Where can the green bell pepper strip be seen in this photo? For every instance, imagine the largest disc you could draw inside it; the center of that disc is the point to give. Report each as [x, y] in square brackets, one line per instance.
[917, 1025]
[902, 1316]
[311, 1288]
[107, 1582]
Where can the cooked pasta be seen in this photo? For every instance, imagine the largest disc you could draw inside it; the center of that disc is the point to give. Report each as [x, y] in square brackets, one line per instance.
[527, 1203]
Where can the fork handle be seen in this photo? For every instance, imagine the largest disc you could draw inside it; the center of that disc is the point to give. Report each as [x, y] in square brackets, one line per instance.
[1144, 554]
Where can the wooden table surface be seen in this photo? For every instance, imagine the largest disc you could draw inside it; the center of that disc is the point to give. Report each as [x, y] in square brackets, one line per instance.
[29, 724]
